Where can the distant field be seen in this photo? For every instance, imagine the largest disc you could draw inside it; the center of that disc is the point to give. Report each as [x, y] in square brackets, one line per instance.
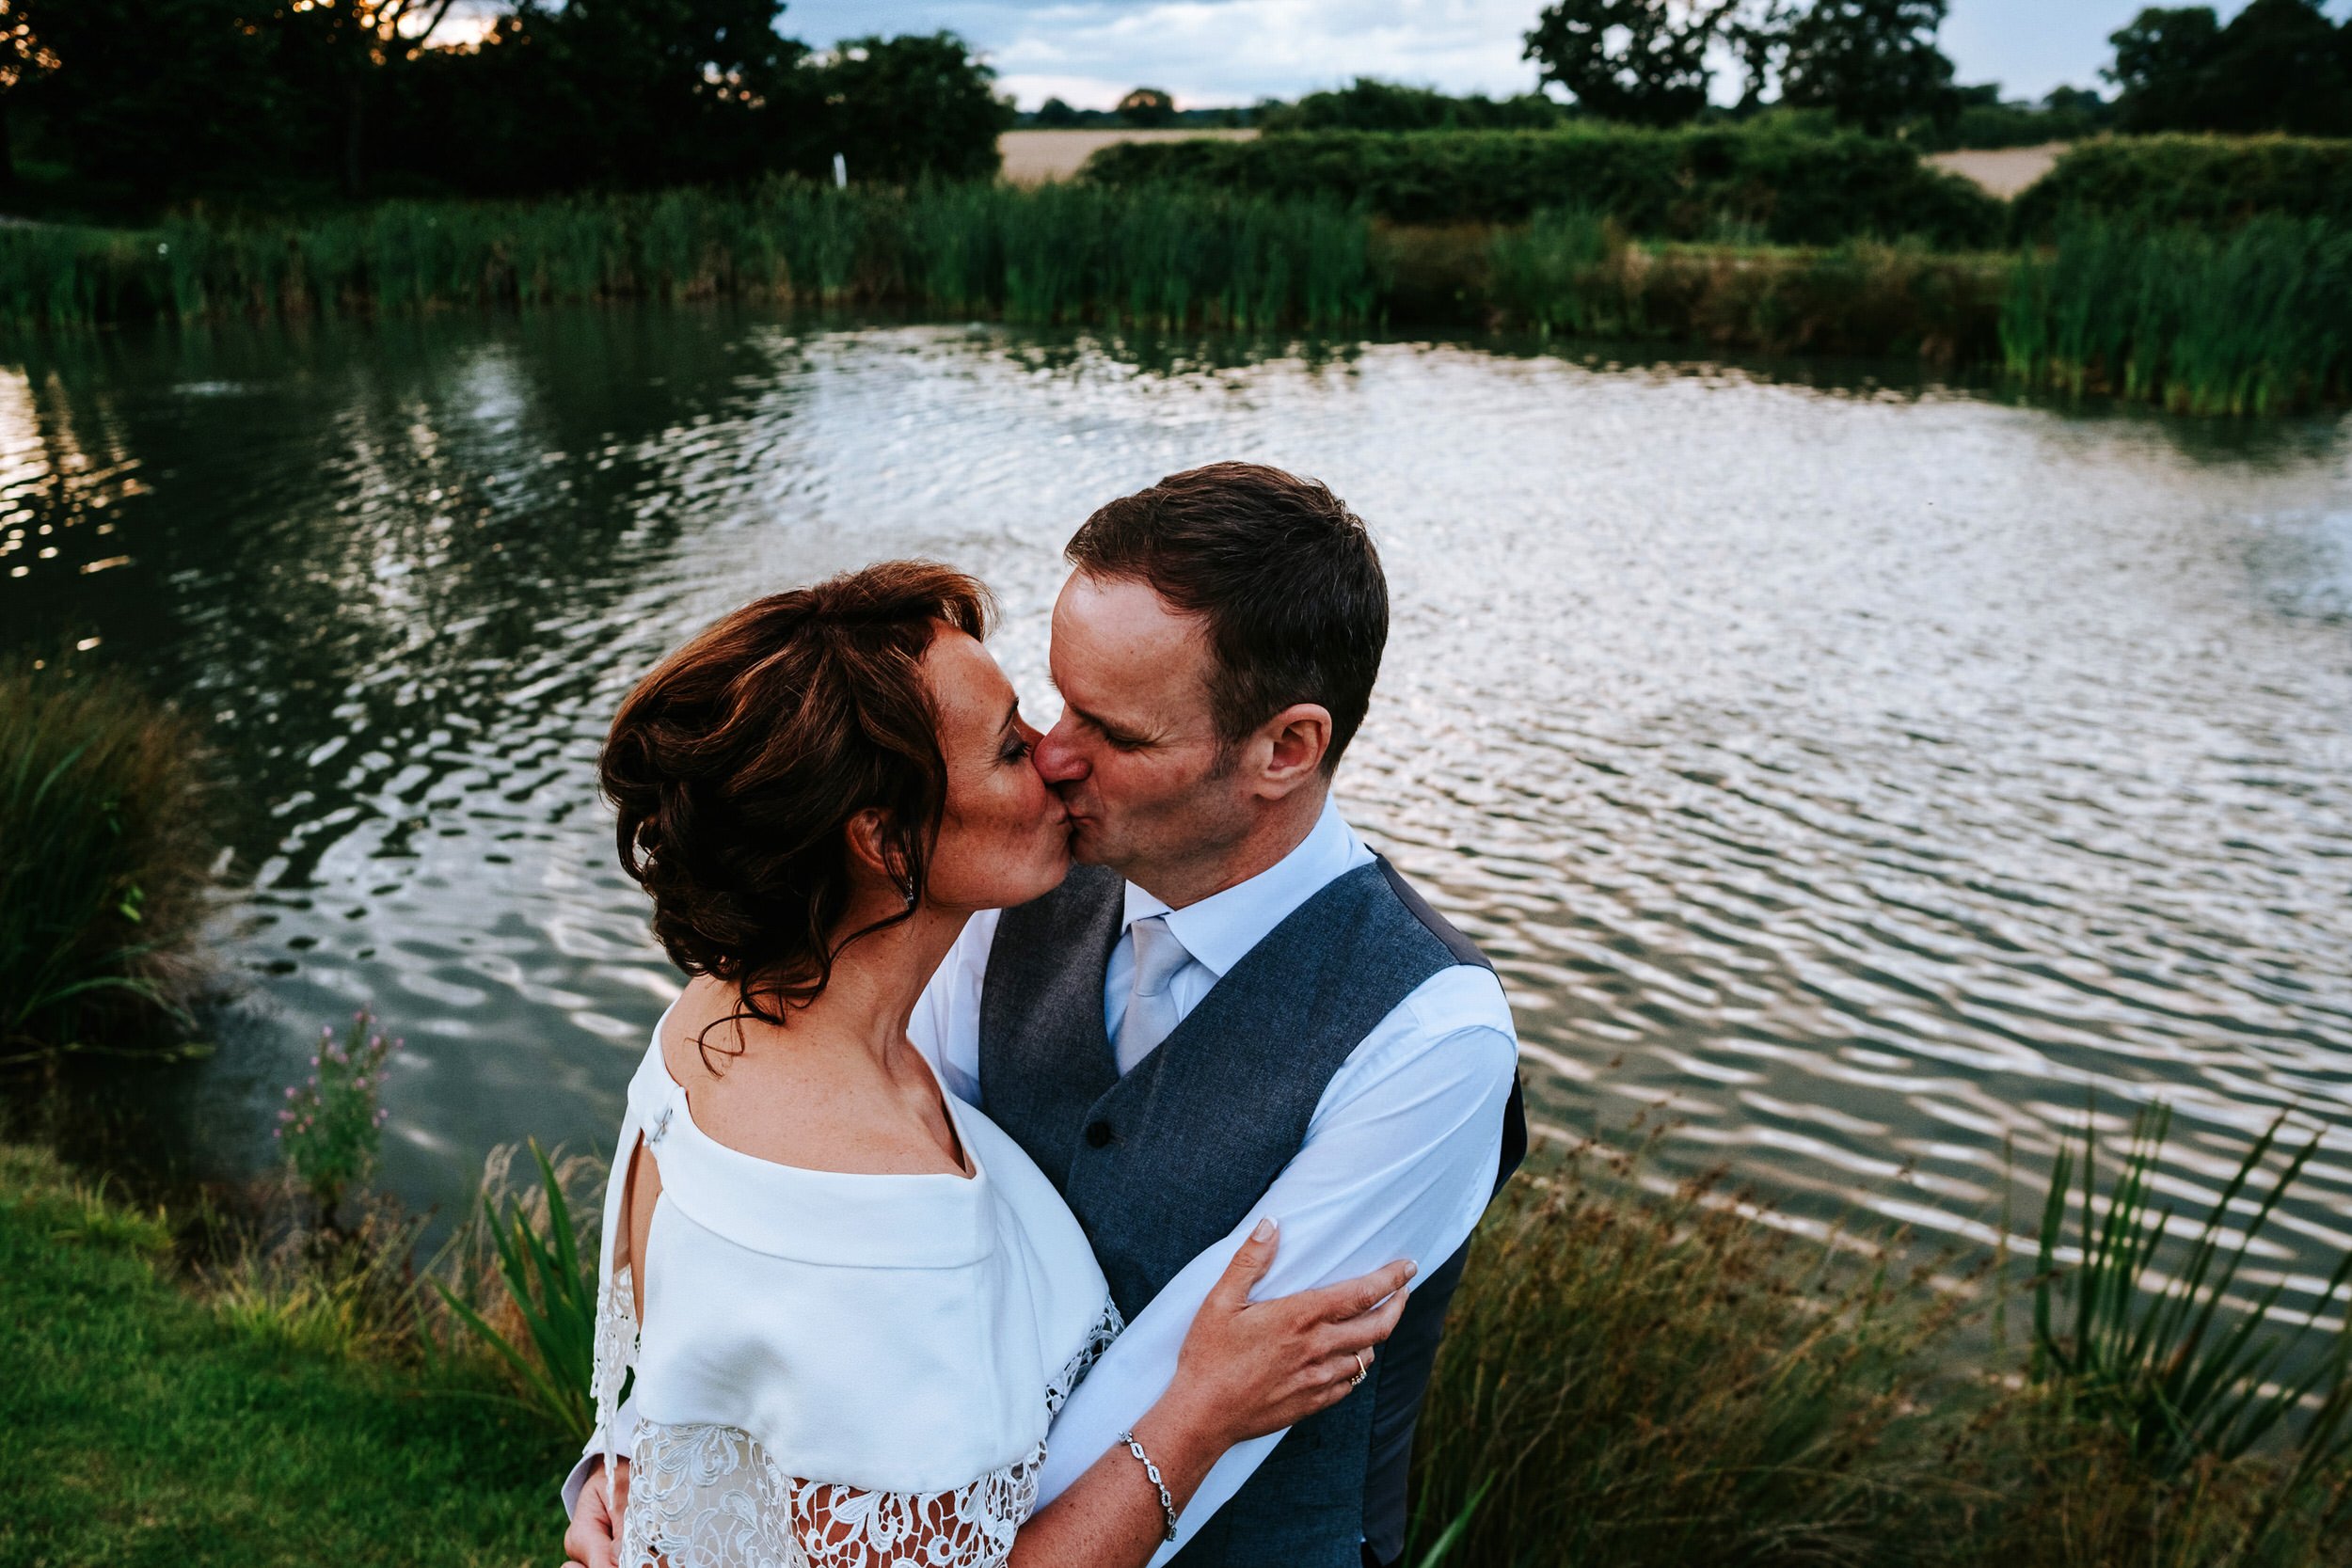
[2004, 171]
[1032, 157]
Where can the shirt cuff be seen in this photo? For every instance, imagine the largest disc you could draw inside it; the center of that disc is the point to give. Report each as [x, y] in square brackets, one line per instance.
[624, 1422]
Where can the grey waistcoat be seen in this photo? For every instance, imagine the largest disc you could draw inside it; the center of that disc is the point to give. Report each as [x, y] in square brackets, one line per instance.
[1160, 1164]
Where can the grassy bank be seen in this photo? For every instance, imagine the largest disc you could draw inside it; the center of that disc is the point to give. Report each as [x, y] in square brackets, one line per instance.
[2253, 320]
[1646, 1378]
[1654, 1380]
[142, 1425]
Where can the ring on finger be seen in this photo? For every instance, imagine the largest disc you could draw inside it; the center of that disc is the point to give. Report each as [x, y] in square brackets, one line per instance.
[1363, 1369]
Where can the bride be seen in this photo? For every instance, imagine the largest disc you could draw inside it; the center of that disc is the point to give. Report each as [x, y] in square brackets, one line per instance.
[847, 1306]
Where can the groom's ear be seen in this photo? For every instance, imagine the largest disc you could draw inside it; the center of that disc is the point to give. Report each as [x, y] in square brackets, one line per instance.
[1292, 743]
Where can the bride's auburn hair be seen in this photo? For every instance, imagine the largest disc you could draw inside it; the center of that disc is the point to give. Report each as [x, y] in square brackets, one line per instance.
[737, 765]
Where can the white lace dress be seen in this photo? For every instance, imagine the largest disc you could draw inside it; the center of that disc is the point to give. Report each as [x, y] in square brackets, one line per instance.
[835, 1370]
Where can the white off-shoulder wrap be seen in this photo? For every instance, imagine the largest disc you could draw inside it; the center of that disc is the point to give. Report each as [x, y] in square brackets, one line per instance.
[896, 1342]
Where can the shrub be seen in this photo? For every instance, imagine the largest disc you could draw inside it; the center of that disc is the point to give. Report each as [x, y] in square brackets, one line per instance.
[523, 1285]
[1794, 189]
[2203, 181]
[103, 811]
[1574, 273]
[331, 1128]
[2152, 1358]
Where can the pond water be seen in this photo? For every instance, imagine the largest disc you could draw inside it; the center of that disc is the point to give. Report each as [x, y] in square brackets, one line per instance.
[1872, 772]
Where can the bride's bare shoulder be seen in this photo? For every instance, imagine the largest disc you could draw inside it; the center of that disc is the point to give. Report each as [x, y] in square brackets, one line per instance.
[758, 1088]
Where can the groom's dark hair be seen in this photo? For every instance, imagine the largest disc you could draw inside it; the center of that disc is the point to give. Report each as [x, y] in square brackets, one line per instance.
[1281, 572]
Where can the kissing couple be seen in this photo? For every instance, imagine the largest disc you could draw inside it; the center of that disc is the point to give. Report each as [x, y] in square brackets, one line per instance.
[1033, 1167]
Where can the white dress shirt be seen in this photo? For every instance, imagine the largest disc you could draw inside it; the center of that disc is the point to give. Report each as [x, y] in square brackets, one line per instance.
[1398, 1162]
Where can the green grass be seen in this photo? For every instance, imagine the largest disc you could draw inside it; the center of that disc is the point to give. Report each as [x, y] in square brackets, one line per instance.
[103, 810]
[139, 1427]
[2254, 320]
[1058, 254]
[1648, 1379]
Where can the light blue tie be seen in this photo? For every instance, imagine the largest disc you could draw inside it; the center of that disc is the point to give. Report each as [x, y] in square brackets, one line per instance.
[1151, 1016]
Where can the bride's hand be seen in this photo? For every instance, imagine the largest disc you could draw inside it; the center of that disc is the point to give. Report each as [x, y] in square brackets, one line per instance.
[1250, 1368]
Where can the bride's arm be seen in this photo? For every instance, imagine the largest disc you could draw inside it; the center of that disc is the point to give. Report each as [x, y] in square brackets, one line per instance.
[1246, 1369]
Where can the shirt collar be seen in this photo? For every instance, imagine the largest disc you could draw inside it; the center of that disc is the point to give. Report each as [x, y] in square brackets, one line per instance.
[1221, 927]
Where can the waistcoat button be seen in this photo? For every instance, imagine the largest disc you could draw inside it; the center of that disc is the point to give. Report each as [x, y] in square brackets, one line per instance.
[1098, 1133]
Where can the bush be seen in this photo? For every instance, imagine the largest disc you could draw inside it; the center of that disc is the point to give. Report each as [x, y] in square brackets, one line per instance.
[1573, 273]
[2207, 182]
[103, 810]
[331, 1129]
[1996, 126]
[1369, 104]
[1678, 184]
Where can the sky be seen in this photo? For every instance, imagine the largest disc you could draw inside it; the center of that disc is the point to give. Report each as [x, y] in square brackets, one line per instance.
[1227, 51]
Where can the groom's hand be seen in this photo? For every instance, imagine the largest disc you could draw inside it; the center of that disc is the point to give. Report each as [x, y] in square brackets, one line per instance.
[590, 1541]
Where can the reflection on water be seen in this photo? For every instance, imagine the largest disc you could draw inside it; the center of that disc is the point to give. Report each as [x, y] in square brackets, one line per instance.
[1872, 772]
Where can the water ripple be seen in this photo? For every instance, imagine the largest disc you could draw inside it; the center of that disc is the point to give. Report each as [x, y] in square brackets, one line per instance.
[1871, 776]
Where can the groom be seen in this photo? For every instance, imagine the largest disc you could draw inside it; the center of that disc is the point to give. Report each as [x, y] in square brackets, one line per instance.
[1231, 1009]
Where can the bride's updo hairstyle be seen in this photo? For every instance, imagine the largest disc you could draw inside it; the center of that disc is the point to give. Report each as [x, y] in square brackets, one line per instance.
[739, 763]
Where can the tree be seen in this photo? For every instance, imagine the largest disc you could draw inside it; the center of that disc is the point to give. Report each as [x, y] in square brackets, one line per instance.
[153, 99]
[1871, 63]
[1055, 115]
[1147, 108]
[1369, 104]
[1639, 60]
[23, 60]
[357, 39]
[613, 93]
[1756, 33]
[899, 109]
[2279, 65]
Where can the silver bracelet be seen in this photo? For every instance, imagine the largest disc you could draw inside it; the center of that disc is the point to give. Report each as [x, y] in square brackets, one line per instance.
[1167, 1504]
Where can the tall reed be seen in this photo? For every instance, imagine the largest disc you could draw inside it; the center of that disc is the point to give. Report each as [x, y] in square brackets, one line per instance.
[2157, 1357]
[1062, 253]
[103, 814]
[2253, 321]
[1638, 1381]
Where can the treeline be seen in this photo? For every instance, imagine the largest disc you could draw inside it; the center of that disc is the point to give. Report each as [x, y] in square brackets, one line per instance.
[131, 104]
[1872, 65]
[2279, 65]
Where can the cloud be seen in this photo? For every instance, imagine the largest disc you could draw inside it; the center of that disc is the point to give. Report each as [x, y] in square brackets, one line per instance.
[1211, 51]
[1221, 52]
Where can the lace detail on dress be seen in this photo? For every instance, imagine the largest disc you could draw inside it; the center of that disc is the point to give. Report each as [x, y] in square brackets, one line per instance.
[1106, 1329]
[615, 1354]
[709, 1497]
